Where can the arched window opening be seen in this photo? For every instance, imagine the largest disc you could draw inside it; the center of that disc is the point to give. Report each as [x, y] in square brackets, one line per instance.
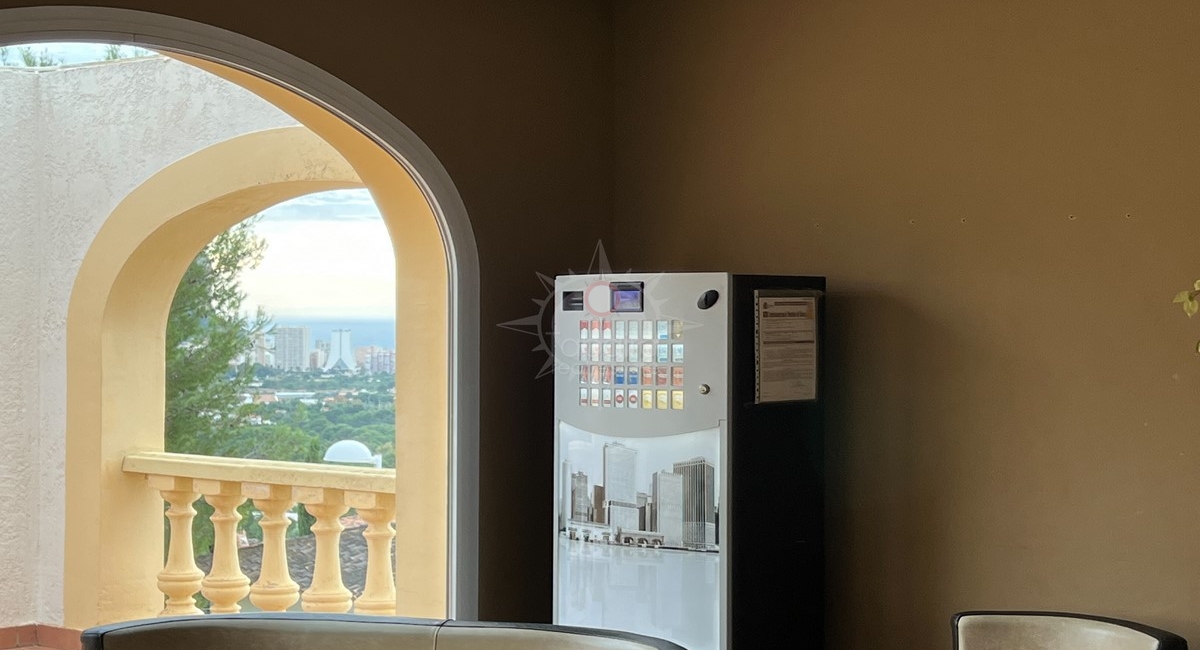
[126, 273]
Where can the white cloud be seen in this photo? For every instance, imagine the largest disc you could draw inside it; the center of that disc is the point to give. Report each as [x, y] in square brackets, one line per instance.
[333, 257]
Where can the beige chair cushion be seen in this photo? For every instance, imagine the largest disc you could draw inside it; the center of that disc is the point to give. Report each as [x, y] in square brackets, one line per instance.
[1038, 632]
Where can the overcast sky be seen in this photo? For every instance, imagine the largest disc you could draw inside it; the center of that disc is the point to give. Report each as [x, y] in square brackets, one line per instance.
[327, 255]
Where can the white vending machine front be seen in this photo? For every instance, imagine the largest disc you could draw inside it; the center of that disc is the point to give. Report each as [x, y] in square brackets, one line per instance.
[641, 449]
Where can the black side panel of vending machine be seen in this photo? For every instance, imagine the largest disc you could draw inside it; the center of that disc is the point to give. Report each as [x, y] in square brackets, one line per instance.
[777, 564]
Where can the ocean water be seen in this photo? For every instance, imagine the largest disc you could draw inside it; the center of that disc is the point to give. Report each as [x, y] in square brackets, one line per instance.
[363, 332]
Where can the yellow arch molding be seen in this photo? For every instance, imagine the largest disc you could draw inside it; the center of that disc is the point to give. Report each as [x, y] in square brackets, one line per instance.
[423, 352]
[116, 325]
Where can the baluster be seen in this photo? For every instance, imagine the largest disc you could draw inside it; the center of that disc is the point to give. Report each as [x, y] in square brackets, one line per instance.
[274, 591]
[225, 584]
[326, 593]
[180, 578]
[379, 593]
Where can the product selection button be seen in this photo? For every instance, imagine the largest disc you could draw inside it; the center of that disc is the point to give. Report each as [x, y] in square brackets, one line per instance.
[632, 399]
[662, 353]
[583, 351]
[633, 353]
[634, 330]
[595, 355]
[677, 400]
[607, 357]
[583, 397]
[676, 353]
[606, 330]
[606, 398]
[677, 375]
[584, 374]
[595, 374]
[608, 375]
[631, 377]
[647, 330]
[583, 330]
[619, 378]
[648, 375]
[647, 352]
[661, 400]
[647, 399]
[676, 329]
[619, 330]
[619, 399]
[596, 330]
[664, 330]
[660, 375]
[595, 397]
[619, 353]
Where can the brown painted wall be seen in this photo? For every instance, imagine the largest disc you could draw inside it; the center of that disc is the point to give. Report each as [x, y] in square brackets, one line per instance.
[1004, 197]
[515, 100]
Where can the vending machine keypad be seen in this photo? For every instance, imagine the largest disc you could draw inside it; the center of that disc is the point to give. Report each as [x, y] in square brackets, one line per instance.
[640, 362]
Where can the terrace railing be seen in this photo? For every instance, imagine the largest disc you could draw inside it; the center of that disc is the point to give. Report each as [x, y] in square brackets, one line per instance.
[327, 493]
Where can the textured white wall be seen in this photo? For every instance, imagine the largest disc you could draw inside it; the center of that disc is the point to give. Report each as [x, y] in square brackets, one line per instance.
[20, 211]
[74, 142]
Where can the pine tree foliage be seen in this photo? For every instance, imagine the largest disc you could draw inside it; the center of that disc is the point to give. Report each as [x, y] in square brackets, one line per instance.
[207, 336]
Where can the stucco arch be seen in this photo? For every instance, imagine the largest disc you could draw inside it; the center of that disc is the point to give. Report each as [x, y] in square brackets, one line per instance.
[438, 285]
[116, 347]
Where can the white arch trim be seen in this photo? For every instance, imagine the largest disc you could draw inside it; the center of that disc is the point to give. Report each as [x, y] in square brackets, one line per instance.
[156, 31]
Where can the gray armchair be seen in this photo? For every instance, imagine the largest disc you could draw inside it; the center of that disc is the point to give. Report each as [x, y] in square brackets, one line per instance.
[1057, 631]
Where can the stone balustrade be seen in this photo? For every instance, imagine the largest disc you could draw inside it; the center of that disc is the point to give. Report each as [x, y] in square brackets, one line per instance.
[327, 493]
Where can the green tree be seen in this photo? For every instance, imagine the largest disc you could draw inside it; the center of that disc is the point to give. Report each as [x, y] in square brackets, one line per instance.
[206, 334]
[37, 59]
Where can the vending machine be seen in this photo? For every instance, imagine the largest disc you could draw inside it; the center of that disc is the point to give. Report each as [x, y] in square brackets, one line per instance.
[688, 457]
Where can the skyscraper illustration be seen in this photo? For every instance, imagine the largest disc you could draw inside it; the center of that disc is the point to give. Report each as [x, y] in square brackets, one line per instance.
[699, 503]
[666, 491]
[581, 499]
[620, 486]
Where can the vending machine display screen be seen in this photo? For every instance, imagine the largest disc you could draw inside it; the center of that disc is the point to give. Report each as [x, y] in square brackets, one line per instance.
[626, 297]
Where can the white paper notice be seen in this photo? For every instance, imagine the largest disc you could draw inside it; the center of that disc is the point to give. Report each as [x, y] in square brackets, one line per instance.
[786, 348]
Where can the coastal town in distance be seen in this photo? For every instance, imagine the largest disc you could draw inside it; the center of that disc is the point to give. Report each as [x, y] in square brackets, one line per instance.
[292, 348]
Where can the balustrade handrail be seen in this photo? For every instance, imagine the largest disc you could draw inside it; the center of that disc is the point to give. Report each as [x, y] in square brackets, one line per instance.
[249, 470]
[326, 491]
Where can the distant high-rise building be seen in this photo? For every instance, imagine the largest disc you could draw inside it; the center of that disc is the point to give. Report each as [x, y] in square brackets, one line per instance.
[260, 350]
[383, 362]
[341, 355]
[291, 347]
[376, 360]
[316, 358]
[699, 503]
[666, 492]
